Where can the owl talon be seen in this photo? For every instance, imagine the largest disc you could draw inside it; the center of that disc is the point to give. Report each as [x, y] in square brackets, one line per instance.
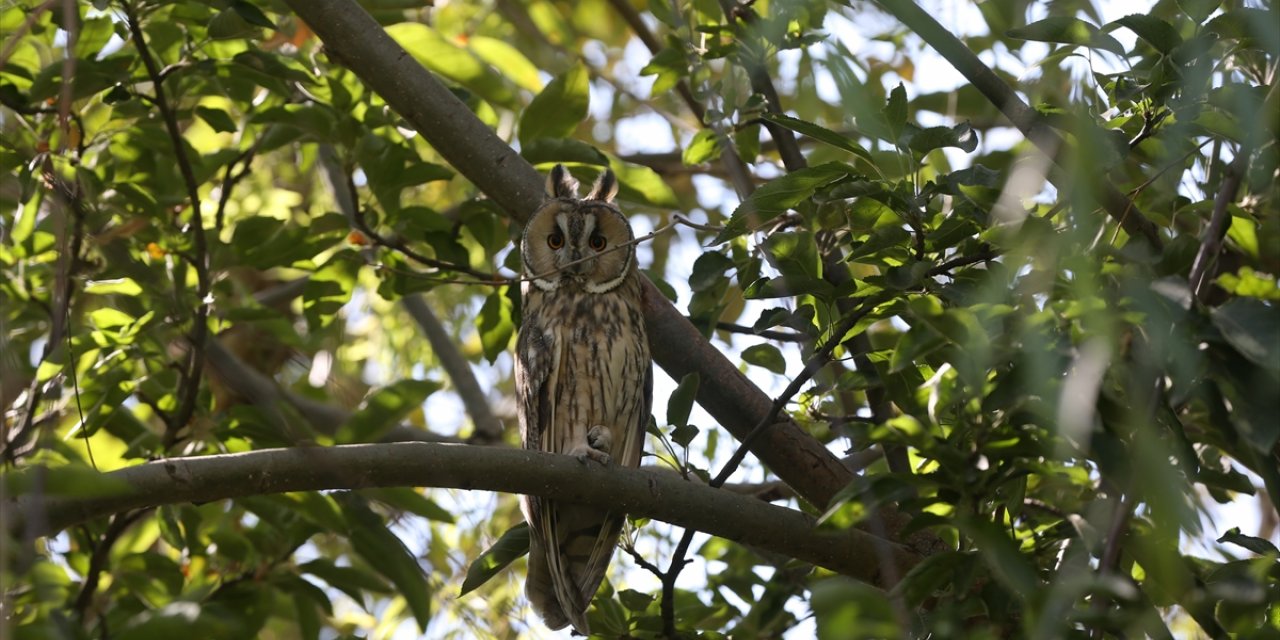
[599, 442]
[600, 438]
[583, 454]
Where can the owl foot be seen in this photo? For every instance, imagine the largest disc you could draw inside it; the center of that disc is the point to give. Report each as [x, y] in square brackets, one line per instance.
[599, 442]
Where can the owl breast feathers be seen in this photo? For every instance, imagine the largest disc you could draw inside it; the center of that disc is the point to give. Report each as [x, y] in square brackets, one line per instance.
[584, 381]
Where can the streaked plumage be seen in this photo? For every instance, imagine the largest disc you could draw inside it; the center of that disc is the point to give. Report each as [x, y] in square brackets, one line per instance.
[583, 381]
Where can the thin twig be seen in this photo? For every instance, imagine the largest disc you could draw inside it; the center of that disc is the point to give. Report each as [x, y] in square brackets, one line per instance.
[783, 336]
[811, 367]
[70, 242]
[1211, 242]
[985, 255]
[98, 559]
[200, 260]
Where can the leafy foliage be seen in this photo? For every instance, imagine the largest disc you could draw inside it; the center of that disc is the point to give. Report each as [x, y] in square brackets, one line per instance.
[208, 220]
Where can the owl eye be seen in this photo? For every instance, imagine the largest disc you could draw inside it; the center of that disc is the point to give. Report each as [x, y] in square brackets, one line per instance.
[555, 240]
[597, 242]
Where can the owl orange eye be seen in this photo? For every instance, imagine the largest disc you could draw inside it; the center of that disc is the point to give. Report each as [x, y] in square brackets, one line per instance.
[597, 242]
[555, 240]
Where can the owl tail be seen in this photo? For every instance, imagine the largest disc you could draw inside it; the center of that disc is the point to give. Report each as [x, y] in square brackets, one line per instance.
[565, 574]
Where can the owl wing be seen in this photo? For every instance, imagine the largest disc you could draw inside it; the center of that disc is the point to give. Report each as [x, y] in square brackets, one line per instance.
[585, 537]
[537, 370]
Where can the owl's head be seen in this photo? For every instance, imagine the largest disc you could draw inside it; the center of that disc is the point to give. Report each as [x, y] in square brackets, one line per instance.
[579, 243]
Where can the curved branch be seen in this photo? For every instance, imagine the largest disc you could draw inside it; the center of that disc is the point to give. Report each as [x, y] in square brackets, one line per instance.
[359, 42]
[657, 495]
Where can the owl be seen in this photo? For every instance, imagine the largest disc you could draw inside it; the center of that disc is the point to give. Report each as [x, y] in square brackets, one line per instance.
[584, 381]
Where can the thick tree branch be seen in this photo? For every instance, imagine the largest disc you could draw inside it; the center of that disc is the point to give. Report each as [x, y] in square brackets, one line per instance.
[662, 496]
[354, 38]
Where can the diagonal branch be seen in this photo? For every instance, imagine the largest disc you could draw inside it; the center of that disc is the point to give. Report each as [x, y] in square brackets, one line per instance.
[512, 183]
[1211, 244]
[659, 495]
[1026, 119]
[488, 429]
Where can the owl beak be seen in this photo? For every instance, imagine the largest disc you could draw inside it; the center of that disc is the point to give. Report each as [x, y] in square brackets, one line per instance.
[575, 269]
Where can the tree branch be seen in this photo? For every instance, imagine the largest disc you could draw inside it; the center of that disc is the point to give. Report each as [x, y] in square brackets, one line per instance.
[1211, 242]
[511, 182]
[662, 496]
[200, 325]
[487, 427]
[1026, 119]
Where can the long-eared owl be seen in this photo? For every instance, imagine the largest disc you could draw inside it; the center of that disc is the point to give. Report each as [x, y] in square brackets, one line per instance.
[584, 380]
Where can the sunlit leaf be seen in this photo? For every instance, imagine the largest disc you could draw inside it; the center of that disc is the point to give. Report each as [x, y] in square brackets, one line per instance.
[511, 546]
[557, 110]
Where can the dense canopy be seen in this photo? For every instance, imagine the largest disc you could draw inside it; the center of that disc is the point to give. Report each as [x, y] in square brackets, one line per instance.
[965, 315]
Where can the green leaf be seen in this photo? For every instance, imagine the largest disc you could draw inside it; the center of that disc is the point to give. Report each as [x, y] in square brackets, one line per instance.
[641, 184]
[704, 147]
[109, 318]
[1250, 284]
[681, 402]
[410, 500]
[384, 409]
[508, 60]
[747, 141]
[1199, 10]
[895, 111]
[495, 324]
[1156, 32]
[511, 546]
[217, 119]
[1253, 328]
[325, 293]
[430, 49]
[820, 134]
[708, 270]
[670, 65]
[766, 356]
[912, 346]
[847, 608]
[1059, 29]
[229, 24]
[1003, 558]
[933, 574]
[556, 112]
[352, 581]
[781, 194]
[1243, 232]
[1260, 546]
[961, 136]
[252, 14]
[121, 286]
[385, 552]
[94, 34]
[546, 152]
[684, 434]
[634, 600]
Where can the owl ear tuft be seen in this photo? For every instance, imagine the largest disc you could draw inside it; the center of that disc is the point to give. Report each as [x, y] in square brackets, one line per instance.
[560, 183]
[605, 188]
